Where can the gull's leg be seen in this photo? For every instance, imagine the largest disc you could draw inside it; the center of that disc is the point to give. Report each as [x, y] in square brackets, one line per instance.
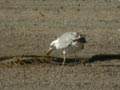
[75, 57]
[64, 53]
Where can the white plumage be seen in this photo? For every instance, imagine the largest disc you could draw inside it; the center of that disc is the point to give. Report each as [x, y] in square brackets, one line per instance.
[66, 41]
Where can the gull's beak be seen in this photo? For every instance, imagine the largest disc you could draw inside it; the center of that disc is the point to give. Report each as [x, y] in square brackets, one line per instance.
[49, 51]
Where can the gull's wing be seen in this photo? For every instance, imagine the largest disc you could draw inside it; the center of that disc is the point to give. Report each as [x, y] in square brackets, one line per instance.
[64, 43]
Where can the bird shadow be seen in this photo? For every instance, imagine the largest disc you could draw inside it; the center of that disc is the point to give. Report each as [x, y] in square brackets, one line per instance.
[104, 57]
[68, 60]
[95, 58]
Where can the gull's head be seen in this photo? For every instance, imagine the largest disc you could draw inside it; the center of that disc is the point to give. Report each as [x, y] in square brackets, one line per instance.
[52, 47]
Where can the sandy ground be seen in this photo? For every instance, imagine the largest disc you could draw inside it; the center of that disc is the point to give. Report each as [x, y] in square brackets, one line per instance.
[28, 26]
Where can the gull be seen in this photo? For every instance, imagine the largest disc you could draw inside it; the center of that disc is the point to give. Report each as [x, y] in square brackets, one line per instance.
[66, 41]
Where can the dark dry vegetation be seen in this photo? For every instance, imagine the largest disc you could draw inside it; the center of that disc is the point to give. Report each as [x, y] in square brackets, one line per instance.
[28, 26]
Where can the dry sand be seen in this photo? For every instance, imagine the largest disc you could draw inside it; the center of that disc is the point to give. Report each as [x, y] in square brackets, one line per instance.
[28, 26]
